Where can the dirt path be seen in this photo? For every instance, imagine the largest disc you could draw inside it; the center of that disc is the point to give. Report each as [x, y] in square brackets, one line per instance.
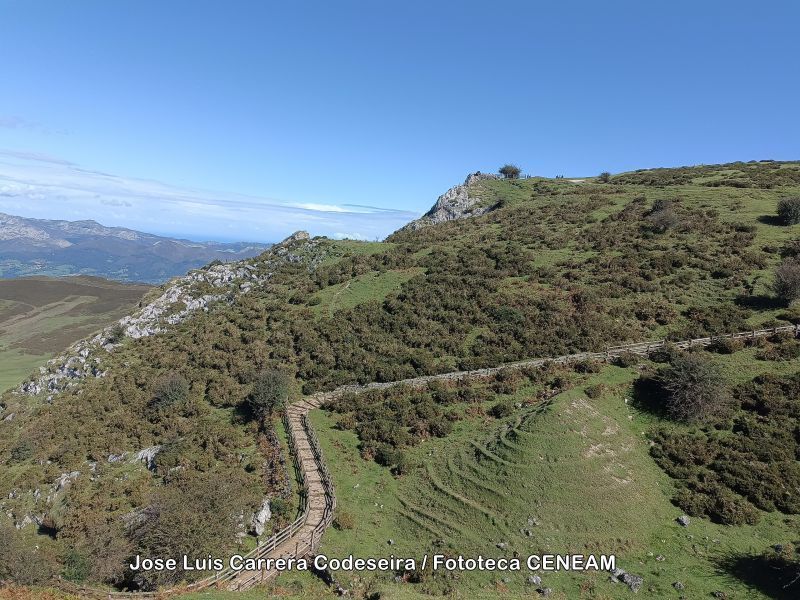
[336, 296]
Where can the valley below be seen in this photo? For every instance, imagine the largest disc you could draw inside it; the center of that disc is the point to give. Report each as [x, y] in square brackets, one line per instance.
[40, 316]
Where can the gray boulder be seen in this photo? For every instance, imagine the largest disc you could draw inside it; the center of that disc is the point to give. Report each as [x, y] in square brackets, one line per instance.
[259, 523]
[148, 456]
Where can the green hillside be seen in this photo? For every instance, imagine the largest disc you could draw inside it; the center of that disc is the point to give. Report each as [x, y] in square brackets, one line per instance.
[556, 266]
[571, 474]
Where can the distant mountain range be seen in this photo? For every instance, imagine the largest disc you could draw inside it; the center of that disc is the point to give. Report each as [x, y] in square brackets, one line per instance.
[48, 247]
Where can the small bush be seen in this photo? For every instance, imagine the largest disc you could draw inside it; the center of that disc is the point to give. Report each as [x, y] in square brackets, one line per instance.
[726, 345]
[507, 387]
[731, 510]
[627, 359]
[168, 391]
[595, 391]
[116, 334]
[662, 215]
[789, 210]
[788, 349]
[695, 388]
[77, 567]
[386, 455]
[269, 394]
[402, 464]
[282, 510]
[346, 422]
[787, 280]
[501, 410]
[666, 354]
[588, 366]
[441, 428]
[604, 177]
[22, 451]
[344, 521]
[20, 562]
[663, 220]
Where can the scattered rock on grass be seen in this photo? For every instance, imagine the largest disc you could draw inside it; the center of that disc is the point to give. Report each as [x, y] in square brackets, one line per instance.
[634, 582]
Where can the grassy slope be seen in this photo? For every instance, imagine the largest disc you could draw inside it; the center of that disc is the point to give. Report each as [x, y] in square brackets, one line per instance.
[370, 286]
[580, 467]
[41, 316]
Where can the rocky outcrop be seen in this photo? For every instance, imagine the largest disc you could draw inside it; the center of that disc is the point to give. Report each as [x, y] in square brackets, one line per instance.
[179, 299]
[148, 457]
[455, 203]
[260, 518]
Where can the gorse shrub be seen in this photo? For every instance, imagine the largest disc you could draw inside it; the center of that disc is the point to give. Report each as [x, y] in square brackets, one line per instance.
[344, 520]
[19, 562]
[694, 388]
[744, 464]
[269, 394]
[502, 409]
[662, 216]
[169, 390]
[789, 210]
[596, 390]
[627, 359]
[726, 345]
[787, 280]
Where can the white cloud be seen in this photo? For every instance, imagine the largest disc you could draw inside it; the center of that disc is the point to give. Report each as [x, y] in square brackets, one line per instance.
[35, 185]
[114, 202]
[348, 236]
[321, 207]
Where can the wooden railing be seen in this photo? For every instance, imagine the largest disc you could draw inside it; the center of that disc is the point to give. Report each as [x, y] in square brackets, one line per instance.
[306, 547]
[269, 545]
[309, 546]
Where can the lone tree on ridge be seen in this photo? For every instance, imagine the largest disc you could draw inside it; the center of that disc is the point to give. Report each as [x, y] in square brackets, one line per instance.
[510, 171]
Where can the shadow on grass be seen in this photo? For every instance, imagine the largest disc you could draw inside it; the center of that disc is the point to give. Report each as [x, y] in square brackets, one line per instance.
[648, 396]
[771, 220]
[759, 302]
[774, 575]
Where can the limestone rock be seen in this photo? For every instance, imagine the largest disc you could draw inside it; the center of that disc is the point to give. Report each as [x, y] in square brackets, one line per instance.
[260, 518]
[148, 456]
[64, 480]
[455, 203]
[634, 582]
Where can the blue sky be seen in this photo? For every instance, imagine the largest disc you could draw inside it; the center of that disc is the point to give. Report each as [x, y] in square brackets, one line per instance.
[247, 120]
